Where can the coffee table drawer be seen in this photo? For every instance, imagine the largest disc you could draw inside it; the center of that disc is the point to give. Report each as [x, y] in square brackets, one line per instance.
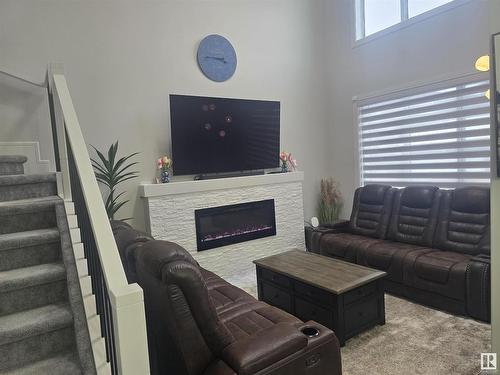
[275, 277]
[315, 294]
[277, 297]
[308, 311]
[360, 314]
[360, 293]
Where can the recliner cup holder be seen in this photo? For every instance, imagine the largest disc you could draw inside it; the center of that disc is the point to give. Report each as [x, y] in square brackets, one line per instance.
[310, 331]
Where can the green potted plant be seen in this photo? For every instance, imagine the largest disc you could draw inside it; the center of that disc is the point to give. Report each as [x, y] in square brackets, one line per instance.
[112, 172]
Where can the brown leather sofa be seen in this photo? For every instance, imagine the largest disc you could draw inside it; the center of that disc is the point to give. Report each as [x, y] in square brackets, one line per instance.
[200, 324]
[433, 243]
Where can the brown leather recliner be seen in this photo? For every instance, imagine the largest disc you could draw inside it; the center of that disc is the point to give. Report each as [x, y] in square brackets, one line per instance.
[128, 240]
[368, 225]
[200, 324]
[433, 243]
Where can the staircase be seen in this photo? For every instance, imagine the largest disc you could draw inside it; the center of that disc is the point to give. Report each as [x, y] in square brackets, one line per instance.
[12, 164]
[65, 304]
[43, 329]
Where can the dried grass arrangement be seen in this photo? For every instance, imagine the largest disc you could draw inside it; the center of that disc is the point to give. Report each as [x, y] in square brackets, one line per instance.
[330, 202]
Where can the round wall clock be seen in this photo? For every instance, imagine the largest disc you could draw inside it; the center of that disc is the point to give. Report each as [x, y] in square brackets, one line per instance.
[216, 58]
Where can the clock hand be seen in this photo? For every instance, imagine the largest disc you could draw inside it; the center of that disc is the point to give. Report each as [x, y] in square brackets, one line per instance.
[221, 59]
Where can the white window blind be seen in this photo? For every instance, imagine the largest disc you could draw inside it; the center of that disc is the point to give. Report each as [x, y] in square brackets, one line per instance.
[434, 135]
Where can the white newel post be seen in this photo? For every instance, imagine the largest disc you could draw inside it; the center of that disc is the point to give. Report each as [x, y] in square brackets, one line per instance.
[131, 335]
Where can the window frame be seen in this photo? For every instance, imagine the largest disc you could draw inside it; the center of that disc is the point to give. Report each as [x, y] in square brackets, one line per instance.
[359, 19]
[394, 93]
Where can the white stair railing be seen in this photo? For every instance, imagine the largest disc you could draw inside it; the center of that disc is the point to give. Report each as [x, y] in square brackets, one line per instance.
[120, 305]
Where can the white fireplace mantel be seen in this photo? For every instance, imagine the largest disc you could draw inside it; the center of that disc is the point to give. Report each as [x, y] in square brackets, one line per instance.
[170, 208]
[186, 187]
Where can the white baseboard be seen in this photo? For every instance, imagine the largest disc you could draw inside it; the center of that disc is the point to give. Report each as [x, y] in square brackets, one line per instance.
[31, 150]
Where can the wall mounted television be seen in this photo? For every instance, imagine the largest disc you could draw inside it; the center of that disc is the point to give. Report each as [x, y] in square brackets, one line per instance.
[219, 135]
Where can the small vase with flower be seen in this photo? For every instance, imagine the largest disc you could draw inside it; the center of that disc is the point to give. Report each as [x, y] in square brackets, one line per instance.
[288, 163]
[164, 164]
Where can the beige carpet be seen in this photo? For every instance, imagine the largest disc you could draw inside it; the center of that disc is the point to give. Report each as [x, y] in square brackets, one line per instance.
[415, 340]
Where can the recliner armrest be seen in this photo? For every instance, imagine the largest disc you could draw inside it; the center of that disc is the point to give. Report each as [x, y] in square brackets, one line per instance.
[478, 290]
[254, 353]
[313, 235]
[339, 226]
[482, 258]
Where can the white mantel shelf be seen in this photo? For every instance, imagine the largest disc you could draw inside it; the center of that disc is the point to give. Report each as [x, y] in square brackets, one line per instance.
[186, 187]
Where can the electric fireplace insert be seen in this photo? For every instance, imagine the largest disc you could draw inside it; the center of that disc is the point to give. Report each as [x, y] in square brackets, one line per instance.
[225, 225]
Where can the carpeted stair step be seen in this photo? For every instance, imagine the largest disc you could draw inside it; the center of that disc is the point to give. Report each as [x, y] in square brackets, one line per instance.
[64, 364]
[25, 324]
[34, 335]
[28, 214]
[29, 248]
[14, 187]
[32, 287]
[12, 164]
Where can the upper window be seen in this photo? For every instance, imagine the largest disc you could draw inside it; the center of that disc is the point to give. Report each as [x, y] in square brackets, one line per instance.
[435, 134]
[373, 16]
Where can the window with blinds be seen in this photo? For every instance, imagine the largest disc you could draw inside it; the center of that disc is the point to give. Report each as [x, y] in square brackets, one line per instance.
[435, 135]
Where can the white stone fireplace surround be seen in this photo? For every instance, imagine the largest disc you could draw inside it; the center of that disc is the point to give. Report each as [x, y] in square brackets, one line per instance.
[170, 216]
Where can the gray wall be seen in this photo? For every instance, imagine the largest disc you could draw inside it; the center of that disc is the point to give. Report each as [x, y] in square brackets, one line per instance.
[124, 57]
[443, 45]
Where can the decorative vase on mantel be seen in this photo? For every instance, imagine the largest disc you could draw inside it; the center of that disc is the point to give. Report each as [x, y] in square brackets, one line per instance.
[288, 163]
[165, 176]
[164, 164]
[284, 167]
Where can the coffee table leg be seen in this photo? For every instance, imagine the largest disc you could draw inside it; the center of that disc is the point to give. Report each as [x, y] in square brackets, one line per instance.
[338, 320]
[259, 284]
[381, 303]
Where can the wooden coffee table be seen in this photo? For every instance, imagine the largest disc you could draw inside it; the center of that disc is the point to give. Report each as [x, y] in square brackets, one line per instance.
[342, 296]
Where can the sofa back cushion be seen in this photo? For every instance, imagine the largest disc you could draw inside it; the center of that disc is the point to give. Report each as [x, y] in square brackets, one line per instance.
[128, 241]
[414, 215]
[371, 210]
[464, 221]
[184, 330]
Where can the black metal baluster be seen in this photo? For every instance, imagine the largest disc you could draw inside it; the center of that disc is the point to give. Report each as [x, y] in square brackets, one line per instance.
[54, 128]
[99, 288]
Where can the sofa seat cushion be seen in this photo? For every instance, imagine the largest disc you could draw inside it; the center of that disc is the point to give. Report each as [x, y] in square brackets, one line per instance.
[224, 296]
[212, 280]
[251, 318]
[388, 256]
[441, 272]
[228, 297]
[345, 245]
[241, 313]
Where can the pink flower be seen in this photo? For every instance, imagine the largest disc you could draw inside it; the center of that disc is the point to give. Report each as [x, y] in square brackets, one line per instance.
[164, 162]
[287, 157]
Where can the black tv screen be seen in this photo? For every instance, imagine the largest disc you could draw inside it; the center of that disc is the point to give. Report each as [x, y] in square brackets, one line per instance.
[216, 135]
